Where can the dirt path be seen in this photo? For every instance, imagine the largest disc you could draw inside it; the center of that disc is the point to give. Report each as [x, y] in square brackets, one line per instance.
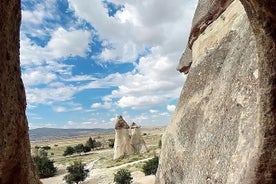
[106, 175]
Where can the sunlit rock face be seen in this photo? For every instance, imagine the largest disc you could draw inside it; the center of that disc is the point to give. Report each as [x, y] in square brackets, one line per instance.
[16, 166]
[214, 135]
[137, 140]
[122, 144]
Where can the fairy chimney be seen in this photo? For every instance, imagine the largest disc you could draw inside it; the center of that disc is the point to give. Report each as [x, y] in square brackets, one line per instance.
[137, 140]
[122, 144]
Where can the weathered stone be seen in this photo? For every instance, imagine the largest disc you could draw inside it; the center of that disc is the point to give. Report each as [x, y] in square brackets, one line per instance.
[16, 165]
[122, 146]
[223, 129]
[137, 141]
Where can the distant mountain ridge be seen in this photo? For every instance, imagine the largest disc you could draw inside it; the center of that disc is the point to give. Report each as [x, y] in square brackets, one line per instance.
[55, 133]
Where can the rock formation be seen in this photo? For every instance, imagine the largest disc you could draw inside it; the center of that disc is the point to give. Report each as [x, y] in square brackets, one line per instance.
[16, 165]
[224, 127]
[137, 140]
[122, 144]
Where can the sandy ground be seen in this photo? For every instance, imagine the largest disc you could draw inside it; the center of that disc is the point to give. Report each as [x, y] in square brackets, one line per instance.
[97, 175]
[58, 178]
[102, 176]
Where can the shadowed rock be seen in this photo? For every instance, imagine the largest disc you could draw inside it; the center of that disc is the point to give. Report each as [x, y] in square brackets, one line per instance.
[16, 166]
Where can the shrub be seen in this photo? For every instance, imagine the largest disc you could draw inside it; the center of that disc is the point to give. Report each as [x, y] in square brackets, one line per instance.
[46, 147]
[76, 173]
[45, 166]
[69, 151]
[150, 167]
[79, 148]
[90, 143]
[86, 149]
[98, 144]
[111, 143]
[123, 176]
[160, 143]
[41, 152]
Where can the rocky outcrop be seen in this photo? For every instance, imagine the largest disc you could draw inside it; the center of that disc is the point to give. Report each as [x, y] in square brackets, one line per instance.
[122, 146]
[16, 165]
[137, 140]
[223, 128]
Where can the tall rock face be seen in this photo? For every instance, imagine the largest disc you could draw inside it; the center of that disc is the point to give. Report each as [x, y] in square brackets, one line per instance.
[223, 128]
[16, 165]
[122, 144]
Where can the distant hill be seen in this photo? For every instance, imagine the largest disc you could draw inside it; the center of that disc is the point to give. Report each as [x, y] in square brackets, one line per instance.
[56, 133]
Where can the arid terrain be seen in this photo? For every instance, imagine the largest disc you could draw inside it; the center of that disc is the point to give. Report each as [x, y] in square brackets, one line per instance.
[100, 162]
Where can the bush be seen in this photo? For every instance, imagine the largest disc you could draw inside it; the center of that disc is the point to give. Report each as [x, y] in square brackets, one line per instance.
[98, 144]
[69, 151]
[111, 143]
[76, 174]
[90, 143]
[160, 143]
[150, 167]
[123, 176]
[45, 166]
[86, 149]
[79, 148]
[46, 147]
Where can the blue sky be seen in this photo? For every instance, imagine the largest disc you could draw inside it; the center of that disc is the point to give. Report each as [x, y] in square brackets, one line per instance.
[86, 61]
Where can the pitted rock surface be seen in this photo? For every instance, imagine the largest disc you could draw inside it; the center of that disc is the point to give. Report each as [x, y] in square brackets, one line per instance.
[223, 128]
[16, 166]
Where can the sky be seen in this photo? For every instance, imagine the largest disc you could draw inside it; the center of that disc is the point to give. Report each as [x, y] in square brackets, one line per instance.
[84, 62]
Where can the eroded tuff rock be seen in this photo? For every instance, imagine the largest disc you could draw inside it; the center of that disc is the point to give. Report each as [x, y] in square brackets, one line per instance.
[16, 165]
[223, 129]
[137, 141]
[122, 144]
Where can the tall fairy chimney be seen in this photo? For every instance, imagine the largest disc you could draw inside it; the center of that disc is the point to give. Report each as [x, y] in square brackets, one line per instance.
[122, 144]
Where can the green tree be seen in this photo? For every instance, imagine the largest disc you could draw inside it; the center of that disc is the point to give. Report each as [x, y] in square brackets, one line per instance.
[91, 143]
[79, 148]
[97, 144]
[150, 167]
[45, 166]
[76, 173]
[69, 151]
[123, 176]
[111, 143]
[160, 143]
[86, 149]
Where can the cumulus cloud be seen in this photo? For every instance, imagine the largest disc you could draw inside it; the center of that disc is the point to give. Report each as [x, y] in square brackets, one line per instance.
[105, 105]
[140, 24]
[170, 108]
[63, 43]
[151, 35]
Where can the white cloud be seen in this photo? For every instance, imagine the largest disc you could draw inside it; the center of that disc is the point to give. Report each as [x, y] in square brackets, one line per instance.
[105, 105]
[66, 43]
[153, 111]
[60, 109]
[139, 25]
[63, 43]
[155, 30]
[38, 77]
[141, 102]
[49, 95]
[170, 108]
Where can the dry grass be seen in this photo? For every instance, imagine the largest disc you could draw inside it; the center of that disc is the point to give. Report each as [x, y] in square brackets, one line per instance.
[104, 156]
